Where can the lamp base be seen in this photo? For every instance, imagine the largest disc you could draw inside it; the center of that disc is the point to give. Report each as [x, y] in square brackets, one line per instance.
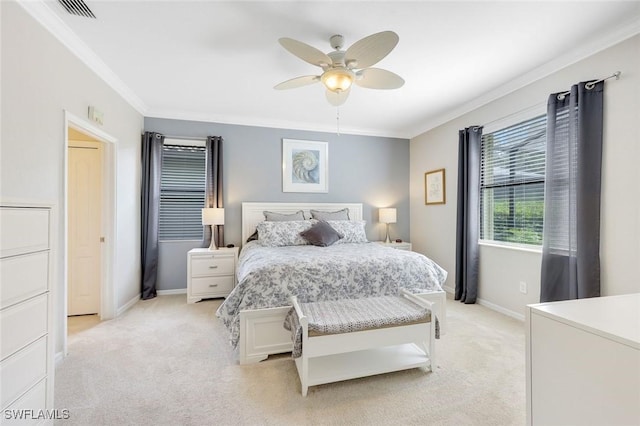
[388, 240]
[212, 246]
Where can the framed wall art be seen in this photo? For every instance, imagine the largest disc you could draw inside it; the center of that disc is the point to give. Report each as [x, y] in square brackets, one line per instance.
[434, 187]
[305, 166]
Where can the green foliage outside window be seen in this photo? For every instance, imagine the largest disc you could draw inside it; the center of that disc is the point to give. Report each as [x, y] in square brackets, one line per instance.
[527, 222]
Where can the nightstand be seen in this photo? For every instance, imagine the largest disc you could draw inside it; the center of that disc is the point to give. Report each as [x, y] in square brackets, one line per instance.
[210, 273]
[399, 246]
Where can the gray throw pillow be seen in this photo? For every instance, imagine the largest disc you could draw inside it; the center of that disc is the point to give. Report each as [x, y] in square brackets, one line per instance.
[337, 215]
[321, 234]
[282, 217]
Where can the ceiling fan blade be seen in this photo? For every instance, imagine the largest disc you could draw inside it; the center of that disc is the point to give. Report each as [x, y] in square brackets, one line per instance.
[376, 78]
[337, 99]
[370, 50]
[305, 80]
[305, 52]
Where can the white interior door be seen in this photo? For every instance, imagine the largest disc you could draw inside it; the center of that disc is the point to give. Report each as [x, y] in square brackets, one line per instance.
[84, 227]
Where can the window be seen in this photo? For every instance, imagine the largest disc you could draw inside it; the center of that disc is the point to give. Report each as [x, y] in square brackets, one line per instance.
[182, 192]
[512, 183]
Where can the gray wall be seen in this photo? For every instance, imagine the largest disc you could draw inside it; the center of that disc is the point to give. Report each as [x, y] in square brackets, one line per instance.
[365, 169]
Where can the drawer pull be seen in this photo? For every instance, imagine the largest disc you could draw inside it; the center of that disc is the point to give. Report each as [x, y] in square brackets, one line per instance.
[213, 285]
[213, 267]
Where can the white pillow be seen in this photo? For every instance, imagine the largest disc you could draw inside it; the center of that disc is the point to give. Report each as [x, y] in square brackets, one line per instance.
[337, 215]
[352, 231]
[279, 234]
[283, 217]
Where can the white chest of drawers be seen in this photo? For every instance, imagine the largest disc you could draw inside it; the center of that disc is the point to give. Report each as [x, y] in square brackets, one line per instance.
[583, 362]
[26, 349]
[210, 273]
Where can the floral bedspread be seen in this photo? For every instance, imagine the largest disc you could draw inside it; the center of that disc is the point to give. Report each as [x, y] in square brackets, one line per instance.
[269, 276]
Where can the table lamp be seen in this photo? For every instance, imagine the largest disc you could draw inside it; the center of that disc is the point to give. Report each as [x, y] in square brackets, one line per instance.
[212, 216]
[387, 216]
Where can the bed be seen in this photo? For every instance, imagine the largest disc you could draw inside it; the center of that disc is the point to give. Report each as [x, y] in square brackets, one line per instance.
[268, 276]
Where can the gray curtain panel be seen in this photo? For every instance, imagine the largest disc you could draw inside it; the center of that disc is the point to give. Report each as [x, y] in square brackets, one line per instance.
[571, 241]
[468, 218]
[213, 187]
[150, 210]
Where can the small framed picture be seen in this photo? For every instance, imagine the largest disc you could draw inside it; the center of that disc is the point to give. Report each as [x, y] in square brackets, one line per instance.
[434, 187]
[305, 166]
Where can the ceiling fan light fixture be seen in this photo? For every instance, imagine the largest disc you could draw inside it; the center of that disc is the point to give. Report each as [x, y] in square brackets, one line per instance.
[338, 79]
[343, 68]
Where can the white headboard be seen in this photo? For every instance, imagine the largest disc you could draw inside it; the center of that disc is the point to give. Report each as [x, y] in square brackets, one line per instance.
[252, 213]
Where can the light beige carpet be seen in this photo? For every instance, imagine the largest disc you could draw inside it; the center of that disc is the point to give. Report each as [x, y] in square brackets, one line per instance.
[165, 362]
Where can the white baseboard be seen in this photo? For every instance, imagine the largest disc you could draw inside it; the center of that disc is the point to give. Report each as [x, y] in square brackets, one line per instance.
[492, 306]
[121, 310]
[500, 309]
[170, 292]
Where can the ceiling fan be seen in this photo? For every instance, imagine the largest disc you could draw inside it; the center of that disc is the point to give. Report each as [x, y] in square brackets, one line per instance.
[340, 69]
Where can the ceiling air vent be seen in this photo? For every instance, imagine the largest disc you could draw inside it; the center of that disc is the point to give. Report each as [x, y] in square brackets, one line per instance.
[77, 7]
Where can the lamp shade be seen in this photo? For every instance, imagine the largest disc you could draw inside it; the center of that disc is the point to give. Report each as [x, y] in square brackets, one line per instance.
[387, 215]
[213, 216]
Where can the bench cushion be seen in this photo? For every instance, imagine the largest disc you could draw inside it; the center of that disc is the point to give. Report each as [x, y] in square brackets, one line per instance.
[351, 315]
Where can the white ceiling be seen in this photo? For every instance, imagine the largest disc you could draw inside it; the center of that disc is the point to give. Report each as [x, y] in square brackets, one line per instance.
[218, 61]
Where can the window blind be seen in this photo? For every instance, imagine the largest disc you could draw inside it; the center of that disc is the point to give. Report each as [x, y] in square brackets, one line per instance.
[182, 192]
[563, 191]
[512, 183]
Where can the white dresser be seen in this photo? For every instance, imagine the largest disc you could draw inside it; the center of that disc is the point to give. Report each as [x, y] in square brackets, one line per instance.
[26, 352]
[210, 273]
[583, 362]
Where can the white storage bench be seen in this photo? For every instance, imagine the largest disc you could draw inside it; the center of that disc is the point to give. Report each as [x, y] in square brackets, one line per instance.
[347, 340]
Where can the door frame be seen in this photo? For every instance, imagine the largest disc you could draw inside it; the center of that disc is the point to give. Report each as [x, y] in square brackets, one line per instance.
[107, 290]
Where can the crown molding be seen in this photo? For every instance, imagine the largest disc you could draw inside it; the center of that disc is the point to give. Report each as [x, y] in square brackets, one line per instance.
[276, 124]
[619, 34]
[46, 17]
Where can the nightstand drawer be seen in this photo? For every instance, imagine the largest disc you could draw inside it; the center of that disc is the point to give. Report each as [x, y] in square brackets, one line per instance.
[209, 285]
[205, 266]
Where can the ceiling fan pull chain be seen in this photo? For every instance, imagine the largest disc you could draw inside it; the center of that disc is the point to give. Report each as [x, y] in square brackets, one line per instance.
[338, 121]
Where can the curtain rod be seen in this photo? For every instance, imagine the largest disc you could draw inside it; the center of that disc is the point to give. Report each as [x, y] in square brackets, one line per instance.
[591, 84]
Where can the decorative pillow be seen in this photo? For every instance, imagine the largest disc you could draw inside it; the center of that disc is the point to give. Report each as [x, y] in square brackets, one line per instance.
[352, 230]
[281, 217]
[337, 215]
[321, 234]
[278, 234]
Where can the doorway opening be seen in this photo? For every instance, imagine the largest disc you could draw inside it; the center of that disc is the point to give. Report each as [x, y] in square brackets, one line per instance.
[89, 232]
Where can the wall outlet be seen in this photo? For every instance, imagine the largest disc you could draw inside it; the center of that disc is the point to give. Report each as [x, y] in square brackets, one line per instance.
[523, 287]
